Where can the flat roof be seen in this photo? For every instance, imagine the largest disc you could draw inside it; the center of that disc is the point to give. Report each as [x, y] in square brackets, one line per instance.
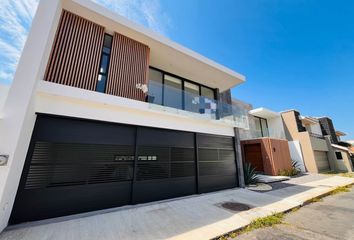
[263, 113]
[309, 120]
[164, 53]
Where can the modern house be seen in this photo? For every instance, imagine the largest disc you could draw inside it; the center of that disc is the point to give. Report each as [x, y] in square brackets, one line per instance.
[264, 144]
[314, 146]
[104, 113]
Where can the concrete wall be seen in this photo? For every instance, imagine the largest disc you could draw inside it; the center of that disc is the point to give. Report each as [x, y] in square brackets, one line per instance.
[296, 154]
[292, 134]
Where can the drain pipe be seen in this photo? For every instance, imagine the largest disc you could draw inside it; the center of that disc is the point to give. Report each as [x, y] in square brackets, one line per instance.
[238, 155]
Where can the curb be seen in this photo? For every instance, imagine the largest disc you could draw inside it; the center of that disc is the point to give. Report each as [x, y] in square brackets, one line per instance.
[305, 203]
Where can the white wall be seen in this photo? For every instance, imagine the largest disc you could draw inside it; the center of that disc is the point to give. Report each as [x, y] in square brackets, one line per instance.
[4, 89]
[18, 112]
[276, 127]
[296, 154]
[69, 101]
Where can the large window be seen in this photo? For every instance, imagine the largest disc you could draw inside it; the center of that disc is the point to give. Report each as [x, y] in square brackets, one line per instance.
[103, 71]
[261, 127]
[173, 91]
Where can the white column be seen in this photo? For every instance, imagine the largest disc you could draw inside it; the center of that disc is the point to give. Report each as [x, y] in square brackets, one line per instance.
[18, 115]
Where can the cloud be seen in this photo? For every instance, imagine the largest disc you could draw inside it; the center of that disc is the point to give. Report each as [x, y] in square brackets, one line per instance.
[16, 18]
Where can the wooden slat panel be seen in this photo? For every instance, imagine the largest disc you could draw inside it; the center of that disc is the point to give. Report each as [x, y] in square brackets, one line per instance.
[76, 52]
[128, 66]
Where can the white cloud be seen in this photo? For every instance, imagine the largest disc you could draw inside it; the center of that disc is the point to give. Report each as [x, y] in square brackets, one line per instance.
[16, 17]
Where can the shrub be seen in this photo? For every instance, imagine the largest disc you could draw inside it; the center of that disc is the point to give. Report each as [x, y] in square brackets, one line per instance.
[249, 174]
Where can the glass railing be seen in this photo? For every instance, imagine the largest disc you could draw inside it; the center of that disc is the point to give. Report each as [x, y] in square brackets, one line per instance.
[268, 132]
[190, 104]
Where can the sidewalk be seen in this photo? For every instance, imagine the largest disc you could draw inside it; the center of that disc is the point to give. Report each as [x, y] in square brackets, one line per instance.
[195, 217]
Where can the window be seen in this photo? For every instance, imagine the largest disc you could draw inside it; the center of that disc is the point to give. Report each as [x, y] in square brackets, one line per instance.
[261, 127]
[339, 155]
[103, 71]
[172, 92]
[191, 97]
[155, 86]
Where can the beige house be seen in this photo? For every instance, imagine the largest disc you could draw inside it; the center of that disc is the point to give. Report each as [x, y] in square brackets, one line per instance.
[314, 146]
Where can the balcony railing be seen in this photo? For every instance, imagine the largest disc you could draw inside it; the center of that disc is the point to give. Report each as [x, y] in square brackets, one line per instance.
[315, 135]
[188, 103]
[257, 133]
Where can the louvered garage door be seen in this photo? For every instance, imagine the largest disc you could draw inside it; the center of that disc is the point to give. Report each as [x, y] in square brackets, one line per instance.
[77, 165]
[217, 168]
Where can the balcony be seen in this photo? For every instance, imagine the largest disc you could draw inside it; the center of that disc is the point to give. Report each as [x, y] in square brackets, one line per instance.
[189, 103]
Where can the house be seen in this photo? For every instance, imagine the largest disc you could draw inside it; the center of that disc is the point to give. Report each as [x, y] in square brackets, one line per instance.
[104, 113]
[338, 151]
[263, 144]
[314, 146]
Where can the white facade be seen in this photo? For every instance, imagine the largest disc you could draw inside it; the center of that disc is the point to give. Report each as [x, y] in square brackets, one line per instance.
[4, 89]
[296, 155]
[30, 94]
[274, 121]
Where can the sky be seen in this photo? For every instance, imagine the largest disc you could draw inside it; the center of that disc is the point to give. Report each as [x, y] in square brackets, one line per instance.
[295, 54]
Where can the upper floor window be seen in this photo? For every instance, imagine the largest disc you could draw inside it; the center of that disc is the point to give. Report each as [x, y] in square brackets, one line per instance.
[261, 127]
[103, 71]
[172, 91]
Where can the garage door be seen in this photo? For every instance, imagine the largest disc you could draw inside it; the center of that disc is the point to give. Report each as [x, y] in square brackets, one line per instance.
[76, 165]
[217, 169]
[322, 161]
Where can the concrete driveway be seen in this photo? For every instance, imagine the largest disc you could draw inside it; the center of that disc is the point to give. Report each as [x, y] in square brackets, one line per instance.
[194, 217]
[332, 218]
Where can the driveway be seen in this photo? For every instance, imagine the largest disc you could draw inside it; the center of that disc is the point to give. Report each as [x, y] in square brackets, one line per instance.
[332, 218]
[195, 217]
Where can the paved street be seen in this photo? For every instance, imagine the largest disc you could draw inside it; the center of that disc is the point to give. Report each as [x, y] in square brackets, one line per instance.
[332, 218]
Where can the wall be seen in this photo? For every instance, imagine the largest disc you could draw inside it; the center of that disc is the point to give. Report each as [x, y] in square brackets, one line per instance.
[275, 154]
[318, 144]
[292, 134]
[328, 128]
[276, 128]
[316, 128]
[246, 133]
[69, 101]
[18, 115]
[296, 154]
[4, 89]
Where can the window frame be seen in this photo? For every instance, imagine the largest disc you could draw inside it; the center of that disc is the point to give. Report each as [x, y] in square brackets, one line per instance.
[260, 124]
[103, 53]
[183, 88]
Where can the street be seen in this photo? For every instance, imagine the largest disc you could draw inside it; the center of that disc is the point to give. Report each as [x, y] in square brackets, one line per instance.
[331, 218]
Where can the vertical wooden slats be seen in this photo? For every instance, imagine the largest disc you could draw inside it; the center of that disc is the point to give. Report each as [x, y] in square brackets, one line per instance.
[128, 66]
[76, 52]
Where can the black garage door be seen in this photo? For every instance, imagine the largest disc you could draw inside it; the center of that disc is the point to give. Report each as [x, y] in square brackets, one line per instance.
[76, 165]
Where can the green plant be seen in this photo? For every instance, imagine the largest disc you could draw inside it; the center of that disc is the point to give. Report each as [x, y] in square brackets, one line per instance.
[288, 172]
[295, 165]
[268, 221]
[250, 175]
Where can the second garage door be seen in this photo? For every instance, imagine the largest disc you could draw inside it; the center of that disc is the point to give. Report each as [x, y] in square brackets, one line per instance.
[322, 161]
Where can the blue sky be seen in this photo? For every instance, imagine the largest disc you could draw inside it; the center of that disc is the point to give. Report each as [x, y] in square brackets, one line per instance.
[295, 54]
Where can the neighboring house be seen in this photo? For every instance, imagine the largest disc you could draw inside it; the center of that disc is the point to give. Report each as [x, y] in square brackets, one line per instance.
[104, 113]
[264, 144]
[314, 146]
[338, 151]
